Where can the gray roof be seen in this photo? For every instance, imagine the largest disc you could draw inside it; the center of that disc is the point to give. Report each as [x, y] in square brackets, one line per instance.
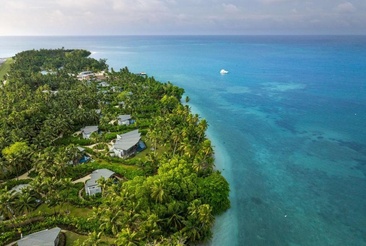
[127, 140]
[103, 84]
[41, 238]
[89, 129]
[85, 73]
[97, 174]
[124, 117]
[19, 188]
[81, 149]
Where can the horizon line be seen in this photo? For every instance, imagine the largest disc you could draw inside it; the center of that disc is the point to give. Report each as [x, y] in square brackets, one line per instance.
[142, 35]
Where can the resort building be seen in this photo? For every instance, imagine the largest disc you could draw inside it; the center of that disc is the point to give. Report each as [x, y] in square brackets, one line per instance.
[88, 130]
[125, 120]
[45, 238]
[103, 84]
[85, 75]
[127, 144]
[91, 186]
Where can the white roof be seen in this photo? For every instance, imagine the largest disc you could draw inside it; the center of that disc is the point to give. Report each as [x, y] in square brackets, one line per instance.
[127, 140]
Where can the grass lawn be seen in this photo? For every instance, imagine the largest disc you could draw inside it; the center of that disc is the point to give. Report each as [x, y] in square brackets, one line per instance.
[74, 211]
[5, 67]
[72, 237]
[160, 150]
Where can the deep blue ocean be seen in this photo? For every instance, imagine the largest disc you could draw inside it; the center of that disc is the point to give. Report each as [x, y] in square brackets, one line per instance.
[287, 122]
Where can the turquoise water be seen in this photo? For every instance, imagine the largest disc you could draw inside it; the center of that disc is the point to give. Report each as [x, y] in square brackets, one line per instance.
[287, 121]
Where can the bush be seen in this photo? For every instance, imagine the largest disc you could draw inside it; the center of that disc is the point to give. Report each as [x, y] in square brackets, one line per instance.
[62, 239]
[110, 136]
[143, 131]
[13, 182]
[100, 146]
[73, 140]
[8, 237]
[214, 190]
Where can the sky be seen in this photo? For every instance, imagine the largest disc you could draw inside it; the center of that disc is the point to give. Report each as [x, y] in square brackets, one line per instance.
[182, 17]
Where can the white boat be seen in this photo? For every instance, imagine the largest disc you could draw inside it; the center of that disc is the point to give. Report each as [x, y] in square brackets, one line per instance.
[223, 71]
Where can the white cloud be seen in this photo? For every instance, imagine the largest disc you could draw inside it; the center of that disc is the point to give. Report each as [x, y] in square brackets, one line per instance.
[190, 16]
[139, 6]
[345, 7]
[273, 1]
[230, 8]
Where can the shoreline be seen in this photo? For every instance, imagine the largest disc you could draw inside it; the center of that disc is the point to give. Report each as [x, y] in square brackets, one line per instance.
[222, 235]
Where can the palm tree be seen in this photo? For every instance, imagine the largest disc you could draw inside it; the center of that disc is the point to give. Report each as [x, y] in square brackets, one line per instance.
[175, 219]
[151, 164]
[6, 204]
[111, 221]
[59, 163]
[176, 136]
[192, 231]
[149, 225]
[202, 127]
[127, 237]
[18, 156]
[200, 220]
[4, 166]
[94, 239]
[24, 202]
[205, 216]
[153, 137]
[103, 183]
[204, 161]
[73, 153]
[158, 191]
[187, 149]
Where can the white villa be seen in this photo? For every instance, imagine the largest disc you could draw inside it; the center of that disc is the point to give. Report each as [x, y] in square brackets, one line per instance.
[125, 120]
[127, 144]
[88, 130]
[91, 185]
[85, 75]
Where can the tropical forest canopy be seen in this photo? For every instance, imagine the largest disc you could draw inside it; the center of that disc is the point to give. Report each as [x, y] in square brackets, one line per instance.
[167, 194]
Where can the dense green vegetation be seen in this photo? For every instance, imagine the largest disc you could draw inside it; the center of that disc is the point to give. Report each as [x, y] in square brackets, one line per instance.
[5, 67]
[166, 195]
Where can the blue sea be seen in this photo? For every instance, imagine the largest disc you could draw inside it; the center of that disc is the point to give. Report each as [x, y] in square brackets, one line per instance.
[287, 122]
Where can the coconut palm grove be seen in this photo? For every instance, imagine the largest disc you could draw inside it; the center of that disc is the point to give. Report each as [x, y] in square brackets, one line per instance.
[109, 157]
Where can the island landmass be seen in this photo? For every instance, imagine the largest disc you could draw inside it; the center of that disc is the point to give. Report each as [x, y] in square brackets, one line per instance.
[101, 157]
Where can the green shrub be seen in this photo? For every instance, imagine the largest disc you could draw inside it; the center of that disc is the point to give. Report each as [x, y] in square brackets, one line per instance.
[14, 182]
[100, 146]
[73, 140]
[110, 136]
[8, 237]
